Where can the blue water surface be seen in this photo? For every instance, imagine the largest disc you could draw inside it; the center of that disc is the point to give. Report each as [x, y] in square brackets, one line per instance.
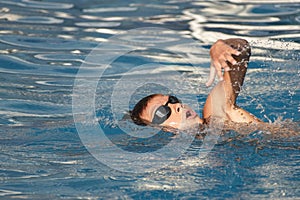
[44, 46]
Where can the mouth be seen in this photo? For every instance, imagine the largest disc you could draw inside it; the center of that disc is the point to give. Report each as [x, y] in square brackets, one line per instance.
[190, 114]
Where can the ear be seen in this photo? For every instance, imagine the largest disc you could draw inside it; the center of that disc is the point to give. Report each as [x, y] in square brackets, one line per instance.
[127, 115]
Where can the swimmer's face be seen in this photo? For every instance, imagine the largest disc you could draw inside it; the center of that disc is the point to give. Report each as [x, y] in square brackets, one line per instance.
[168, 111]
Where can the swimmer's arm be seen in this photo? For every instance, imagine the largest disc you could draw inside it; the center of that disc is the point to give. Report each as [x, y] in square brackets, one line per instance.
[221, 102]
[234, 78]
[239, 115]
[233, 81]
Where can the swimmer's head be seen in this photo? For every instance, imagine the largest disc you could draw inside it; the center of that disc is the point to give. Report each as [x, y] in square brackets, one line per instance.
[164, 111]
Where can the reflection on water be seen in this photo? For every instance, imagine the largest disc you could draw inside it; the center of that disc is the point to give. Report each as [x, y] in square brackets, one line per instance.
[42, 46]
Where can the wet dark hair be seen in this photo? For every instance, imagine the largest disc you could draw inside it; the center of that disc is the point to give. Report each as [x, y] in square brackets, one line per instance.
[135, 114]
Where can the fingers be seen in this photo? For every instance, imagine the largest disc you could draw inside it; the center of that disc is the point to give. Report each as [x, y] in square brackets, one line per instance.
[222, 63]
[230, 59]
[221, 55]
[227, 69]
[218, 67]
[213, 72]
[235, 52]
[220, 75]
[212, 75]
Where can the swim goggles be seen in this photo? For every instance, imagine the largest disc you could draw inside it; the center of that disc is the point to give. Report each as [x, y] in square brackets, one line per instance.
[163, 112]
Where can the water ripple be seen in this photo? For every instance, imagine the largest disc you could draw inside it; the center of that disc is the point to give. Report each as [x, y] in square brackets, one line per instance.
[267, 22]
[98, 24]
[265, 1]
[38, 4]
[111, 9]
[46, 43]
[40, 20]
[9, 192]
[37, 107]
[61, 57]
[17, 65]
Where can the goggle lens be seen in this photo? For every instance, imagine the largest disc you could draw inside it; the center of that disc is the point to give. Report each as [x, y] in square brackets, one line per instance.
[163, 112]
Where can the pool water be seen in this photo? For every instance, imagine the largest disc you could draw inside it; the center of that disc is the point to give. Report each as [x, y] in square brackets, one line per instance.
[62, 60]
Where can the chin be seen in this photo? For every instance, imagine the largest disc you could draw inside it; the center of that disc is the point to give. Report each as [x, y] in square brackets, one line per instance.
[190, 123]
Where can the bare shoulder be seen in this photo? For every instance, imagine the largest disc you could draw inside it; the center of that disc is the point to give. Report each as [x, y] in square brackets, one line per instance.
[285, 129]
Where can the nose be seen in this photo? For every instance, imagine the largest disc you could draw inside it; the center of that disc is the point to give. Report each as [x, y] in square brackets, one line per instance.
[178, 107]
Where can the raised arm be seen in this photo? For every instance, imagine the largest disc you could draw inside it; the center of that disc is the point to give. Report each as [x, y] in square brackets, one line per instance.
[221, 102]
[234, 78]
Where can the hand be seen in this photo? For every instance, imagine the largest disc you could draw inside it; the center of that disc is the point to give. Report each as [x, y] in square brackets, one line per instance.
[220, 54]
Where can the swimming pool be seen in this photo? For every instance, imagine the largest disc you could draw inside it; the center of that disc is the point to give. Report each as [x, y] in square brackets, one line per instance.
[47, 50]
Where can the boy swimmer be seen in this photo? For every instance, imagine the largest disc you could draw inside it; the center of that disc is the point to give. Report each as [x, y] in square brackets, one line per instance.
[168, 112]
[232, 55]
